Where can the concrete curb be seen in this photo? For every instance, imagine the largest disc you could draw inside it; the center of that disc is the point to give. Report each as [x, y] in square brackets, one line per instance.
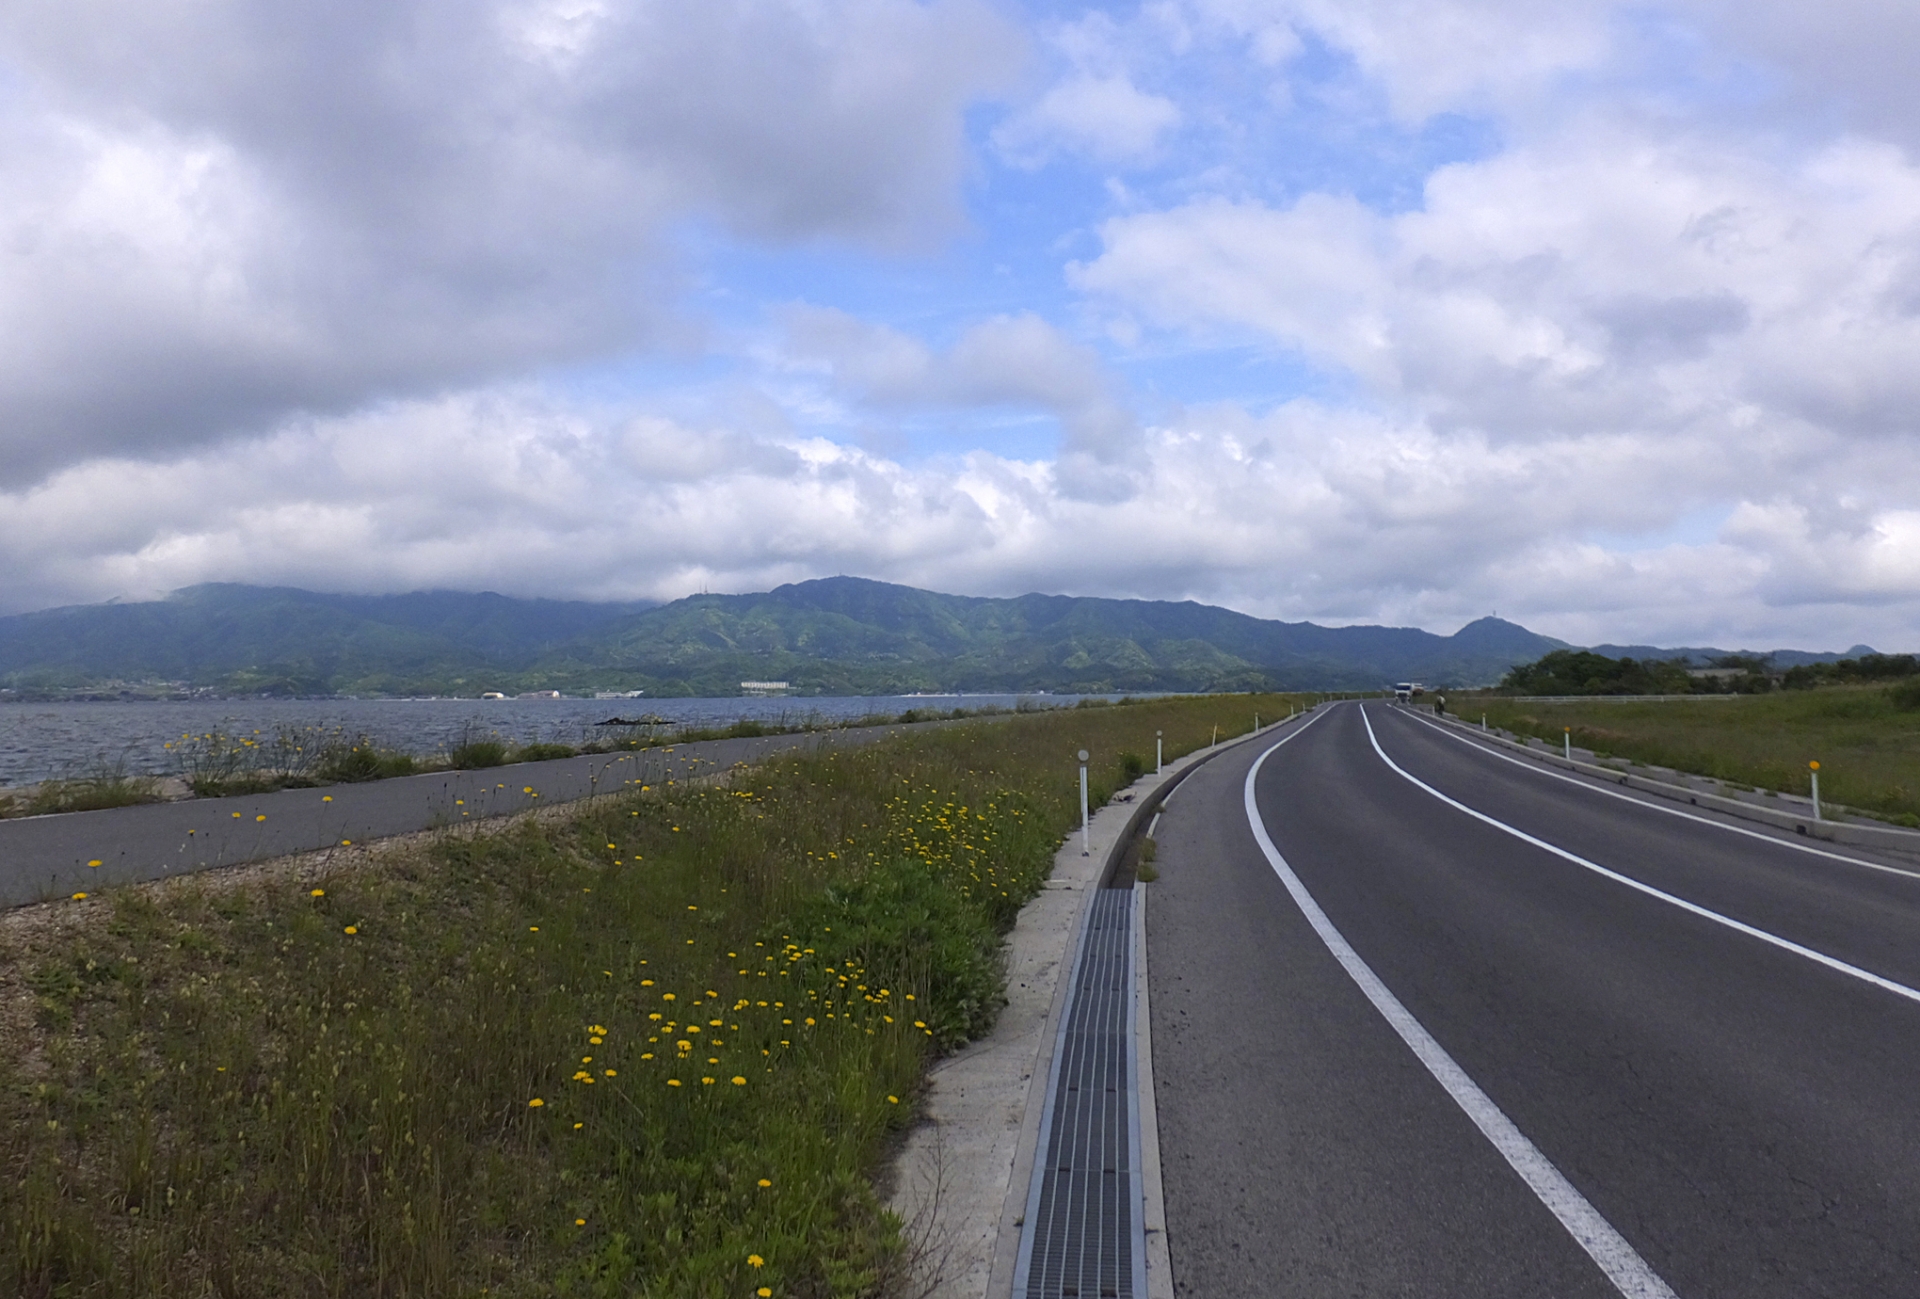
[1153, 1200]
[1802, 823]
[961, 1179]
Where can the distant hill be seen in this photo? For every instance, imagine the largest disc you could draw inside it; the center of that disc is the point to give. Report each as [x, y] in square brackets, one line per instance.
[280, 640]
[839, 635]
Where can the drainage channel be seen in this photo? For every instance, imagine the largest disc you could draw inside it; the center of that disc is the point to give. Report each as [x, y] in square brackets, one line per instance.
[1083, 1236]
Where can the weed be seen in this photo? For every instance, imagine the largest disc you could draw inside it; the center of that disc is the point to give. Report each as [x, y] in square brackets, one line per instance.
[629, 1049]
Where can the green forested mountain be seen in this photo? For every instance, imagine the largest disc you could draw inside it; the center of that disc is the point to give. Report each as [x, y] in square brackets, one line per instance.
[835, 636]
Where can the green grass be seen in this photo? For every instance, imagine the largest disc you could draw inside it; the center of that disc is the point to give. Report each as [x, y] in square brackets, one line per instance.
[1865, 738]
[272, 1085]
[82, 794]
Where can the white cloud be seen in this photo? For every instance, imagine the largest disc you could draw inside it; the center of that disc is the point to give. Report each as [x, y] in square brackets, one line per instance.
[1303, 511]
[1017, 361]
[1107, 117]
[212, 215]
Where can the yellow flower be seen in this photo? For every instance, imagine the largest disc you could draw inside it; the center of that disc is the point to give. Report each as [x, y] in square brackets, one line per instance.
[765, 1292]
[893, 1100]
[79, 897]
[754, 1260]
[93, 863]
[673, 1082]
[765, 1182]
[612, 1074]
[317, 893]
[353, 929]
[579, 1222]
[738, 1081]
[535, 1103]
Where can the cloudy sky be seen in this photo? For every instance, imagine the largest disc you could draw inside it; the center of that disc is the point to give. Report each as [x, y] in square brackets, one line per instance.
[1604, 316]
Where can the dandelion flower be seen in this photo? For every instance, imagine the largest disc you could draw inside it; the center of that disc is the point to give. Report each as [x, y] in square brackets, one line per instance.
[95, 862]
[317, 893]
[353, 929]
[673, 1082]
[535, 1103]
[765, 1292]
[261, 817]
[893, 1100]
[579, 1222]
[754, 1260]
[739, 1081]
[79, 897]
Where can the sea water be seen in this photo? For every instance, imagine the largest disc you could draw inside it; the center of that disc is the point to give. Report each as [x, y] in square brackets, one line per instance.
[65, 740]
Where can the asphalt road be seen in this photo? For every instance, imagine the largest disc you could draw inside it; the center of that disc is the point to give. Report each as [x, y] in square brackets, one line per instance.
[51, 856]
[1707, 1063]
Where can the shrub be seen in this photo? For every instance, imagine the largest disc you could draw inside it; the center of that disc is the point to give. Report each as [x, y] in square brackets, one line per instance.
[1132, 766]
[543, 752]
[362, 760]
[471, 755]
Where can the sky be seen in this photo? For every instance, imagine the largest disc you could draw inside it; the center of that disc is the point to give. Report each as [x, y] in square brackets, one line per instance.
[1602, 317]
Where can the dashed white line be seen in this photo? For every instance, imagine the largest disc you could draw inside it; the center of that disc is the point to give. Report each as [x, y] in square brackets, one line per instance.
[1622, 1264]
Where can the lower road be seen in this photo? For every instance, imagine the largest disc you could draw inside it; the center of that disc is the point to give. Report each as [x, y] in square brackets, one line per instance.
[1429, 1020]
[45, 857]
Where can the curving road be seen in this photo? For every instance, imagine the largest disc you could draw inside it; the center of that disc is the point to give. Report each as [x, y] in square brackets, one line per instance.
[1429, 1020]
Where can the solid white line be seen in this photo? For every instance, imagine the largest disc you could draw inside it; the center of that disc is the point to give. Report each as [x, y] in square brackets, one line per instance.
[1785, 944]
[1670, 811]
[1623, 1266]
[1153, 824]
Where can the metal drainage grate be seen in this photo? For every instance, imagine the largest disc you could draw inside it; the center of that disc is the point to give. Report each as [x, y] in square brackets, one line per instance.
[1083, 1235]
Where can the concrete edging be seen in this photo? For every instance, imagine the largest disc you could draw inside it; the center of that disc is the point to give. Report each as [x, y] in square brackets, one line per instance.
[962, 1177]
[1801, 823]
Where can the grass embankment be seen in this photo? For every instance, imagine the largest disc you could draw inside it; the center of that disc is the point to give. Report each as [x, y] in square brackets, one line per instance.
[1865, 738]
[650, 1045]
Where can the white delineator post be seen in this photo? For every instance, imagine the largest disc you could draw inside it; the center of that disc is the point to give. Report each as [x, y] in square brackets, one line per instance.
[1814, 767]
[1159, 761]
[1483, 721]
[1256, 723]
[1569, 740]
[1086, 848]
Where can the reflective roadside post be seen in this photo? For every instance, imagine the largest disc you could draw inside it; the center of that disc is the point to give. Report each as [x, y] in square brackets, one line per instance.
[1569, 742]
[1086, 849]
[1159, 762]
[1814, 767]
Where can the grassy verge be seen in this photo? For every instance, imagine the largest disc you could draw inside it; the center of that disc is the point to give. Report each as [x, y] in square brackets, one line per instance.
[1866, 739]
[651, 1045]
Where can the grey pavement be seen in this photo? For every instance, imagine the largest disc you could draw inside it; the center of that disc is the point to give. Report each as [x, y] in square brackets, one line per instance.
[1745, 1117]
[46, 857]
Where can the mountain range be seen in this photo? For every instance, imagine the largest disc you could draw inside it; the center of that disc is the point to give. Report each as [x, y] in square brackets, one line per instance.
[840, 635]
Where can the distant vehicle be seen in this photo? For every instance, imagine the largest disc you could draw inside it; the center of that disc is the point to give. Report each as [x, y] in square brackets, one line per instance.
[1408, 690]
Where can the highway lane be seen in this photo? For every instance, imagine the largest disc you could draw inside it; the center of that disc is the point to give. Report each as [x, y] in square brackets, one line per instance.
[1745, 1118]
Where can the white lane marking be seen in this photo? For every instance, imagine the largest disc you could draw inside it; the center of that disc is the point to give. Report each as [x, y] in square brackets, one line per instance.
[1670, 811]
[1153, 824]
[1623, 1266]
[1785, 944]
